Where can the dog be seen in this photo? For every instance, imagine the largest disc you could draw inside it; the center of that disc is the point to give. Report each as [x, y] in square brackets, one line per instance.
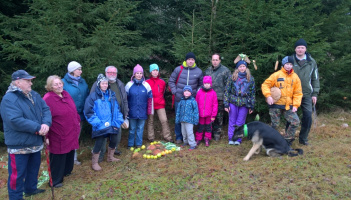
[264, 135]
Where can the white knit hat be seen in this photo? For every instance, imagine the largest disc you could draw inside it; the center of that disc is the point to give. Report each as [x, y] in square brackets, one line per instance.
[73, 66]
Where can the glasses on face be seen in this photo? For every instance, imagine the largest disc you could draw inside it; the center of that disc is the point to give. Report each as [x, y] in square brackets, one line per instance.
[111, 72]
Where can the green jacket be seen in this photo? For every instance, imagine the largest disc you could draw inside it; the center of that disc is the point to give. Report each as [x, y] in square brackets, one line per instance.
[220, 77]
[308, 74]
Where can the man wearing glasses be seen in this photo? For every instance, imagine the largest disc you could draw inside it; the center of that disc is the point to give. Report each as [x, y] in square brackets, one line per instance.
[117, 86]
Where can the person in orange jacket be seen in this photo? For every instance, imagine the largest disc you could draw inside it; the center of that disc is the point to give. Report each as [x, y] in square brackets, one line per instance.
[289, 85]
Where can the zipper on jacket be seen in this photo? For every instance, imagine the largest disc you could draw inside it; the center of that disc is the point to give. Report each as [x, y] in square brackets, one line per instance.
[187, 80]
[204, 104]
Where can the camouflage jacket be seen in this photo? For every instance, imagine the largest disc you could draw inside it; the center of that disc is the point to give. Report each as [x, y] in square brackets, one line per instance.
[220, 76]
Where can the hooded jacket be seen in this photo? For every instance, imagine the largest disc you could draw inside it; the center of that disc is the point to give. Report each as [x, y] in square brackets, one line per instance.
[308, 74]
[102, 112]
[124, 104]
[289, 85]
[190, 76]
[248, 100]
[78, 93]
[187, 111]
[22, 119]
[139, 99]
[158, 87]
[220, 77]
[207, 102]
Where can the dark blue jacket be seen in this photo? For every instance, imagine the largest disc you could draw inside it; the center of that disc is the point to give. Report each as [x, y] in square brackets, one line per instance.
[139, 99]
[102, 112]
[22, 120]
[78, 93]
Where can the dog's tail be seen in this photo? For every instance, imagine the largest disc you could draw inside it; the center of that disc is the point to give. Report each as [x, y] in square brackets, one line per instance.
[292, 154]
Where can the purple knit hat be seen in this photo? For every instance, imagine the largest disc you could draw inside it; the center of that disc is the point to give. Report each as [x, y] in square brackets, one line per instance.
[208, 79]
[137, 68]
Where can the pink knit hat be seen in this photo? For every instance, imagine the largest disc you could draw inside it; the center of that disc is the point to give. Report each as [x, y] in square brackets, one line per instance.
[208, 79]
[137, 68]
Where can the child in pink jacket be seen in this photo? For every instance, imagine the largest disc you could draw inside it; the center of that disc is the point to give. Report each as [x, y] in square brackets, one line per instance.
[206, 99]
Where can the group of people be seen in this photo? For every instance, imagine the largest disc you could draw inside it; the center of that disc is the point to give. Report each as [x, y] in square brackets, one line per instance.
[199, 98]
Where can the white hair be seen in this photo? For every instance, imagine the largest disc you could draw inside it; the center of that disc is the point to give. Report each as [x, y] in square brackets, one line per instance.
[108, 67]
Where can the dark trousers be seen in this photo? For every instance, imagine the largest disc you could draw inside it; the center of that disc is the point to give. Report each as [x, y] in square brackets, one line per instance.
[103, 147]
[61, 165]
[101, 140]
[23, 174]
[306, 121]
[178, 127]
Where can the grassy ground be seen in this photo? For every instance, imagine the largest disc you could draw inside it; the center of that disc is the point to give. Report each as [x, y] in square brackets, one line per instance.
[218, 172]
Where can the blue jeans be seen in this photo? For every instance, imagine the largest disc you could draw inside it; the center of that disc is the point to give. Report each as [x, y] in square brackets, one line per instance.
[23, 174]
[136, 129]
[178, 126]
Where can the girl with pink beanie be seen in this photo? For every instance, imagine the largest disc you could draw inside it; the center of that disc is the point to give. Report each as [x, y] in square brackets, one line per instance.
[207, 102]
[140, 105]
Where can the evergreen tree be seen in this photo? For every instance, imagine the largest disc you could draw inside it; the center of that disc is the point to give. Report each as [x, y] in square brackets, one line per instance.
[53, 33]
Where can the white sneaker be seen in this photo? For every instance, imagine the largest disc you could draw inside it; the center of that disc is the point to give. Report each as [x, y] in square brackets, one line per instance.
[231, 142]
[76, 162]
[236, 143]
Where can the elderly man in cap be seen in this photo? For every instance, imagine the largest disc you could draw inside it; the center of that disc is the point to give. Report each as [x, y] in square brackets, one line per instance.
[26, 119]
[186, 74]
[307, 70]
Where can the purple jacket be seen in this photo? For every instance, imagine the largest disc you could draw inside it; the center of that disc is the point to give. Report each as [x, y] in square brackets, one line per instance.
[65, 128]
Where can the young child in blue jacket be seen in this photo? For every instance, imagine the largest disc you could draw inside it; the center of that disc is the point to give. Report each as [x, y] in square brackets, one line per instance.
[188, 116]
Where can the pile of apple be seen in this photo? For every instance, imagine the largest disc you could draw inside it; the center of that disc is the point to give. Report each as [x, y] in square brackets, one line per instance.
[154, 151]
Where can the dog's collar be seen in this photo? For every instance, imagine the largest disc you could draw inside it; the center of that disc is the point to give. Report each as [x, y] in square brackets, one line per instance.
[245, 130]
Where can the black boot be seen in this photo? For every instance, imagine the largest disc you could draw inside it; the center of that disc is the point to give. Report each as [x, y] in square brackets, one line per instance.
[290, 141]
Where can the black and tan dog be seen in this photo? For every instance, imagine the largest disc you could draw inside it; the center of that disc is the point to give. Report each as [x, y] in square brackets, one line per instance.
[264, 135]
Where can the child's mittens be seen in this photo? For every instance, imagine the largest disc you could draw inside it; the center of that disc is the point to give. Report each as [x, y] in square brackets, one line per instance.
[213, 119]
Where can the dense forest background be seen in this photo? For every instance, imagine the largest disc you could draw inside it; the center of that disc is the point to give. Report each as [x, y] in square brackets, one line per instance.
[43, 36]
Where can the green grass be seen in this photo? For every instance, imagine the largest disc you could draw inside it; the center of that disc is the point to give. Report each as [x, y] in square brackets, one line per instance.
[219, 172]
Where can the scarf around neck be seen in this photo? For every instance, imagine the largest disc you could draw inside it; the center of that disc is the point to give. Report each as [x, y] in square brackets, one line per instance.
[241, 84]
[75, 80]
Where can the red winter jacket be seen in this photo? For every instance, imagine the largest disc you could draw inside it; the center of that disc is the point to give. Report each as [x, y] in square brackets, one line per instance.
[64, 131]
[158, 87]
[207, 103]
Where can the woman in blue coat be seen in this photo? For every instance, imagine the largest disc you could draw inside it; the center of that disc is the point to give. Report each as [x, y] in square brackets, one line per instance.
[140, 105]
[102, 112]
[76, 86]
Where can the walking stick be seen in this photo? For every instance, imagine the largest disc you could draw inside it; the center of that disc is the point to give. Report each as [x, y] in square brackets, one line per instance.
[314, 116]
[49, 170]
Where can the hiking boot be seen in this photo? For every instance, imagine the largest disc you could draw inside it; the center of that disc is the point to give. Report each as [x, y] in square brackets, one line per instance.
[117, 153]
[192, 148]
[289, 141]
[207, 142]
[37, 191]
[179, 141]
[304, 143]
[231, 142]
[217, 137]
[198, 142]
[76, 162]
[237, 143]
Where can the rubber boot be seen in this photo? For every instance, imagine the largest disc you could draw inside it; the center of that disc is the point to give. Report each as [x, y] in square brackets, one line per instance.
[110, 153]
[207, 142]
[94, 162]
